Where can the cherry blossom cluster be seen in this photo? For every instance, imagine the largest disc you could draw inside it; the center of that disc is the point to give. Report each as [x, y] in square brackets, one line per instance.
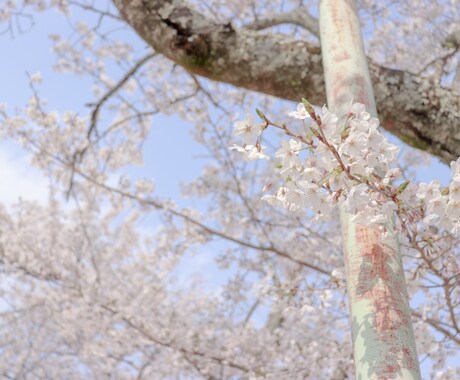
[348, 161]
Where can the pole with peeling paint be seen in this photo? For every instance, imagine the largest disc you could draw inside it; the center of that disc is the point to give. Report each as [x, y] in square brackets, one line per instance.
[383, 338]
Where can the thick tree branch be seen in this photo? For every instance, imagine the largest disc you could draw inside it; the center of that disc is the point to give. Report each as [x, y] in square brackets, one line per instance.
[299, 16]
[453, 40]
[421, 113]
[456, 81]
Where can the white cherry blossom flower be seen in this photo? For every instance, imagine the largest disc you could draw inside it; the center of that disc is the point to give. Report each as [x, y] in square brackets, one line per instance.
[289, 155]
[427, 191]
[455, 167]
[359, 110]
[252, 152]
[301, 112]
[452, 209]
[247, 129]
[454, 189]
[437, 205]
[36, 78]
[355, 145]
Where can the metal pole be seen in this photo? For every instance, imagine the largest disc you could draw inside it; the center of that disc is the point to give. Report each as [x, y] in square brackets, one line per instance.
[383, 338]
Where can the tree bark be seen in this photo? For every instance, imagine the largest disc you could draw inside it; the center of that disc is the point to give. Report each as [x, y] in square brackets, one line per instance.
[420, 112]
[383, 338]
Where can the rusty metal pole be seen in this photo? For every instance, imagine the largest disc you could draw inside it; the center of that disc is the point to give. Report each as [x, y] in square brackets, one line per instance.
[383, 338]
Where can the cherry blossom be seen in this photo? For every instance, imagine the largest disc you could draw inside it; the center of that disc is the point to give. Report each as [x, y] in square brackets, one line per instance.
[93, 283]
[248, 129]
[355, 167]
[301, 112]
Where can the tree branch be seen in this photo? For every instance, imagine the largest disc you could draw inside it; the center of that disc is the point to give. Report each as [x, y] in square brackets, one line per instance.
[423, 114]
[159, 206]
[299, 16]
[114, 89]
[171, 345]
[437, 326]
[456, 81]
[209, 230]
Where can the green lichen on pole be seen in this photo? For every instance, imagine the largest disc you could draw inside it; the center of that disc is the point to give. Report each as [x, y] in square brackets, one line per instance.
[383, 338]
